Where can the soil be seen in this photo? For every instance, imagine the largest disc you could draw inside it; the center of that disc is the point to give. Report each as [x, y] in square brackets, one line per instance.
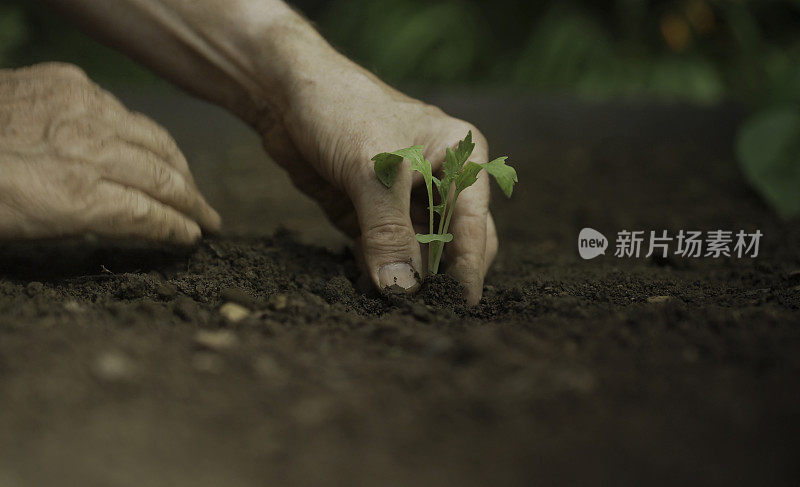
[120, 366]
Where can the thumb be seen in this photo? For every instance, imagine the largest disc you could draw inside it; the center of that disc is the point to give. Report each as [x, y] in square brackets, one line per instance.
[390, 251]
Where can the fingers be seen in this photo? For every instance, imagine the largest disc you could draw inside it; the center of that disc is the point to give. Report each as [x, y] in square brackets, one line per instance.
[106, 170]
[140, 130]
[140, 169]
[124, 212]
[120, 151]
[390, 250]
[467, 252]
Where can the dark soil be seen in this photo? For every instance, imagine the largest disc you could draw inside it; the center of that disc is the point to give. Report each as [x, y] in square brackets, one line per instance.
[118, 367]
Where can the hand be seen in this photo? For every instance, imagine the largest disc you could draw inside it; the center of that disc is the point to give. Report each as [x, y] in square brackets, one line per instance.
[73, 160]
[325, 139]
[321, 117]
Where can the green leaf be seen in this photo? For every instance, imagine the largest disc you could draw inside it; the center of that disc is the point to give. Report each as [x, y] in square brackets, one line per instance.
[434, 237]
[451, 165]
[464, 149]
[413, 154]
[423, 166]
[505, 175]
[387, 166]
[443, 187]
[418, 162]
[768, 147]
[455, 159]
[467, 176]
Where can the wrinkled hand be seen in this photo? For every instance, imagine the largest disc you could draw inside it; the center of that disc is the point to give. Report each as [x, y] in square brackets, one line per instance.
[73, 160]
[325, 140]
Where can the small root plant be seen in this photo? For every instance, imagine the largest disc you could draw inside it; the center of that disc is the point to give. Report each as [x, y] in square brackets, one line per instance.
[458, 174]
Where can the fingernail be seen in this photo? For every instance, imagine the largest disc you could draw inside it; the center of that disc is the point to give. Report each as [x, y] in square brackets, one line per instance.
[398, 275]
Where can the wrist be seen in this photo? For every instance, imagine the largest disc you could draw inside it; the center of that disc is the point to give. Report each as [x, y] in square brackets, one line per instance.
[287, 55]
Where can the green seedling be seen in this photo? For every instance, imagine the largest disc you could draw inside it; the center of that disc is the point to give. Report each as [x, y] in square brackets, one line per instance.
[458, 174]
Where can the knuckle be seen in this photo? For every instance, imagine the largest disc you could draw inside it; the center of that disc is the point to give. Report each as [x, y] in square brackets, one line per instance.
[352, 163]
[171, 188]
[79, 137]
[162, 178]
[387, 236]
[472, 212]
[470, 264]
[433, 111]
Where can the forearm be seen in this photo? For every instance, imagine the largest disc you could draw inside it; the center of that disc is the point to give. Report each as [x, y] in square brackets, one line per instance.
[245, 55]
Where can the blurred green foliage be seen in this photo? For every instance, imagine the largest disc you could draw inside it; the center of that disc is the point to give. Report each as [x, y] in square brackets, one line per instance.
[31, 33]
[769, 149]
[701, 51]
[13, 31]
[696, 50]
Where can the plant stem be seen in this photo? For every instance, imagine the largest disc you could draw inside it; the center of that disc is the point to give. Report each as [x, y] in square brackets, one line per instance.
[435, 248]
[431, 248]
[444, 225]
[430, 209]
[444, 212]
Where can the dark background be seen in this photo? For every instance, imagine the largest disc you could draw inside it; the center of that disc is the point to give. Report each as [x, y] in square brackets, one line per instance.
[626, 51]
[677, 50]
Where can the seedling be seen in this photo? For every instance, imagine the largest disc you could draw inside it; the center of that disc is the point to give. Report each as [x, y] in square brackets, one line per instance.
[458, 175]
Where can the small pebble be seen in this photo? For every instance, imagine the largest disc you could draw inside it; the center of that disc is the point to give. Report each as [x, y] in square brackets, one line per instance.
[234, 312]
[216, 340]
[659, 299]
[113, 367]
